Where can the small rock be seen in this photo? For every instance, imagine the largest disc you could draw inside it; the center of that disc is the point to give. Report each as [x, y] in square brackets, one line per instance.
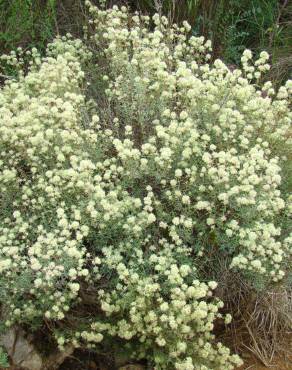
[132, 367]
[92, 365]
[21, 352]
[246, 355]
[54, 360]
[121, 359]
[24, 356]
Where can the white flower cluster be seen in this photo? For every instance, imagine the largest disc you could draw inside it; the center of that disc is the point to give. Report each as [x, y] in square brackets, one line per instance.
[127, 171]
[177, 326]
[204, 134]
[41, 238]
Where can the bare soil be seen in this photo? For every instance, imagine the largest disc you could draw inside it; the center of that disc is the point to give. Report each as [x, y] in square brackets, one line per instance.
[277, 364]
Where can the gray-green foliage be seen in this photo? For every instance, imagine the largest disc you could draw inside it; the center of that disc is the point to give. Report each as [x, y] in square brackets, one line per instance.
[3, 358]
[131, 164]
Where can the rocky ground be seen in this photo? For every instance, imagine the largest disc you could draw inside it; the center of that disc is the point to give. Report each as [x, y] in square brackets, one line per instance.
[79, 361]
[24, 356]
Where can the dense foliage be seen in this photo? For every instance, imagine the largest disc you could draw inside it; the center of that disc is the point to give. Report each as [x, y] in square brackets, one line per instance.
[130, 166]
[231, 25]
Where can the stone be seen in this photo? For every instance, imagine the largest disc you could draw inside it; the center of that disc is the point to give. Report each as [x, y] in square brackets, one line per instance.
[133, 367]
[24, 356]
[121, 359]
[92, 366]
[21, 352]
[54, 360]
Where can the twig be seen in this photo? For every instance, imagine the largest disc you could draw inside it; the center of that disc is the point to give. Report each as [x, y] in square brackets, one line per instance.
[277, 23]
[6, 76]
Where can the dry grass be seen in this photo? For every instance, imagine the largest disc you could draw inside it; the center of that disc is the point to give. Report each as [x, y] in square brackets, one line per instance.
[269, 325]
[262, 322]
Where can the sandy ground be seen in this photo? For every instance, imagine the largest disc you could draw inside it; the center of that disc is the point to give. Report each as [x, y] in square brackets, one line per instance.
[278, 364]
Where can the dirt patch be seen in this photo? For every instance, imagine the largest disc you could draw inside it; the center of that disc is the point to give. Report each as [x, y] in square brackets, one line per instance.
[277, 364]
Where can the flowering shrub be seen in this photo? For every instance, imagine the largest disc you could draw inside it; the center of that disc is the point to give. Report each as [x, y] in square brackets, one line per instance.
[128, 166]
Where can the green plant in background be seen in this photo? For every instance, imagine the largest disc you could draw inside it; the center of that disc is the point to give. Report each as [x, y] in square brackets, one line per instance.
[3, 358]
[26, 23]
[260, 25]
[233, 26]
